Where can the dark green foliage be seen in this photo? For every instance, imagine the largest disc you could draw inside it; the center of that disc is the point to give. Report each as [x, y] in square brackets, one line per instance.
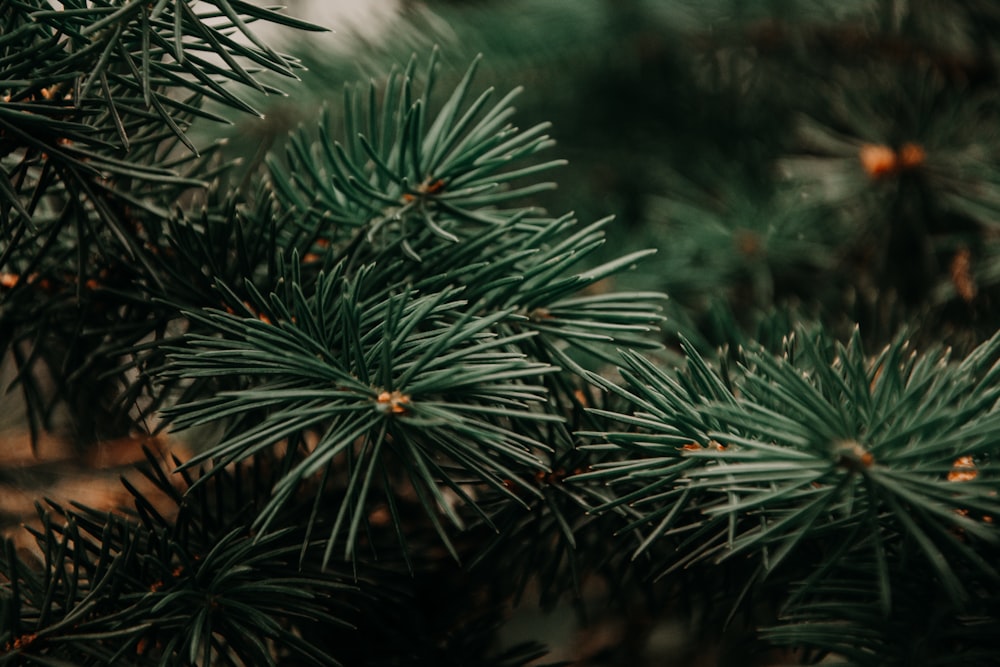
[813, 463]
[91, 127]
[731, 138]
[398, 166]
[421, 348]
[396, 367]
[191, 588]
[190, 582]
[379, 349]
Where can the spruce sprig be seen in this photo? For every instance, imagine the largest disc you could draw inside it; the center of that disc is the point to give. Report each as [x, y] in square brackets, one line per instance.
[94, 154]
[427, 355]
[892, 454]
[409, 375]
[398, 169]
[184, 581]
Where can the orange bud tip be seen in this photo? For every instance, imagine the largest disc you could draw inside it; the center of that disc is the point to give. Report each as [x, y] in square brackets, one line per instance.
[877, 160]
[911, 156]
[963, 470]
[394, 402]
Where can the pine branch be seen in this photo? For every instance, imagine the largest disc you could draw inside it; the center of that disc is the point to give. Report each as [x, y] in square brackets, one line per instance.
[417, 352]
[194, 587]
[397, 171]
[821, 446]
[89, 128]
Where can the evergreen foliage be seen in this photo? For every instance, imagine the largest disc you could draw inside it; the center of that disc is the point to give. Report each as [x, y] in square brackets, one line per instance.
[414, 397]
[819, 465]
